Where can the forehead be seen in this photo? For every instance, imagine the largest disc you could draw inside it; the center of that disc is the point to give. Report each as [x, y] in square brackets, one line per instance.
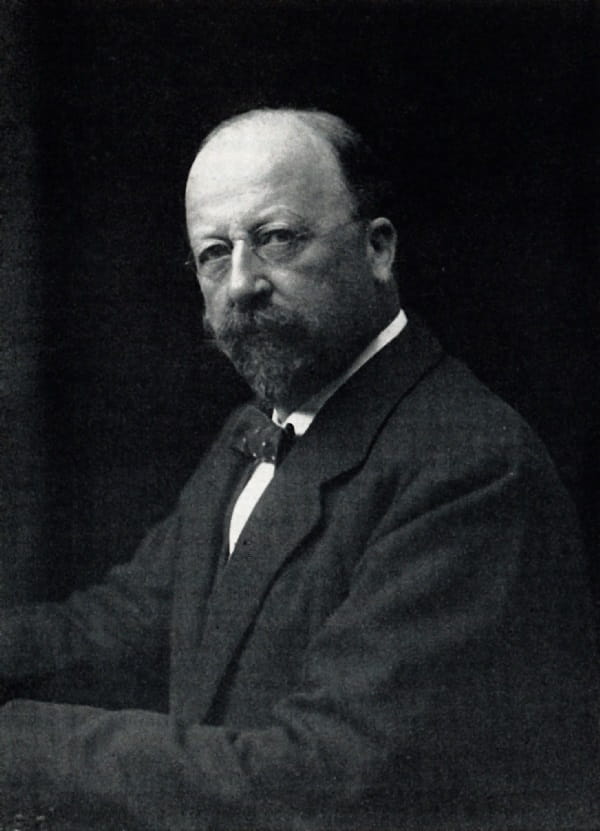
[263, 165]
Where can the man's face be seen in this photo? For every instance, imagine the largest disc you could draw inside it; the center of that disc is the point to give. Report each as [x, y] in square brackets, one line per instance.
[284, 264]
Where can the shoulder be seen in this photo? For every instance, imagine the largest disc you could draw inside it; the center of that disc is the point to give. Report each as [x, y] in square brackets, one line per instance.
[450, 412]
[450, 436]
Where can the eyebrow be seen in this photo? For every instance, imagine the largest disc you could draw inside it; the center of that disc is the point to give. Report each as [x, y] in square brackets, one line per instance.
[268, 214]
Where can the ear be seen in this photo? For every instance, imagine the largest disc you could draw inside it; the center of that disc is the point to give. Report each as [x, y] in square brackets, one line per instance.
[381, 241]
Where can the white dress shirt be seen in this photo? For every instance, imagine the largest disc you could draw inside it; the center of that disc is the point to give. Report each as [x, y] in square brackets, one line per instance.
[301, 419]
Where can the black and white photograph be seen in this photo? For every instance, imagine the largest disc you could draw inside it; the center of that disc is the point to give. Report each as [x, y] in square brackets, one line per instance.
[300, 418]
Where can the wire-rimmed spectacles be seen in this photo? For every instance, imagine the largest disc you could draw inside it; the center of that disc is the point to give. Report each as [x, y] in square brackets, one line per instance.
[275, 244]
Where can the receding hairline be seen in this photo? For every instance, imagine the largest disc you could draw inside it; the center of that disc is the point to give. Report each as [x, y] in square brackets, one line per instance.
[319, 127]
[313, 126]
[361, 171]
[324, 125]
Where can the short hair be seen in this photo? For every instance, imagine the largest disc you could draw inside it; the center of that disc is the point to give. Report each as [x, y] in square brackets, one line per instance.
[361, 168]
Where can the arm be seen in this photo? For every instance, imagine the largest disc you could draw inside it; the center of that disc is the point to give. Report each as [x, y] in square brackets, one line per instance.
[441, 670]
[105, 625]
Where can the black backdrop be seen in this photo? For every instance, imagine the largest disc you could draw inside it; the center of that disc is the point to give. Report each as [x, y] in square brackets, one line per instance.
[484, 111]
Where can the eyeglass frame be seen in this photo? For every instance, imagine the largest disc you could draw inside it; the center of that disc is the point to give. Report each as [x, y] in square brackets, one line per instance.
[285, 256]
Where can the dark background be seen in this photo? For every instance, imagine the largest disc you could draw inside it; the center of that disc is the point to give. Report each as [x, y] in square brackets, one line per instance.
[485, 112]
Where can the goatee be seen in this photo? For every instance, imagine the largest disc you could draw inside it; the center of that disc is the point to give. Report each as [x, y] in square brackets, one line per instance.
[279, 354]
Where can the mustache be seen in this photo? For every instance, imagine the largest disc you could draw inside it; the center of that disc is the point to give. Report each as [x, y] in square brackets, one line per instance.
[239, 323]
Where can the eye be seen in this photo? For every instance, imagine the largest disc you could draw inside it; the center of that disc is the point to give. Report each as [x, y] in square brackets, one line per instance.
[279, 237]
[213, 252]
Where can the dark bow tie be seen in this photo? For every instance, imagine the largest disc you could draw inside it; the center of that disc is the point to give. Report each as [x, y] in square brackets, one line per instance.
[259, 438]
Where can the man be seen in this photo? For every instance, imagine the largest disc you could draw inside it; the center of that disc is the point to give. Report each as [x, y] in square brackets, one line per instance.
[378, 624]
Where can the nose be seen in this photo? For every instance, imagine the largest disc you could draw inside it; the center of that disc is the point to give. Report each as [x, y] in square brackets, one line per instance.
[247, 278]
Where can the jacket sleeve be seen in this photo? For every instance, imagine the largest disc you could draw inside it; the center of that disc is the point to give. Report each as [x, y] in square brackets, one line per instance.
[119, 620]
[441, 670]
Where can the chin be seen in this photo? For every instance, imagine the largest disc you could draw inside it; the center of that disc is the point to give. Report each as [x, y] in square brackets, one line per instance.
[287, 362]
[271, 372]
[279, 380]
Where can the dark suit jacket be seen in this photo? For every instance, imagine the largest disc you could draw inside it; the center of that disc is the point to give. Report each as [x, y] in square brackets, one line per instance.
[399, 640]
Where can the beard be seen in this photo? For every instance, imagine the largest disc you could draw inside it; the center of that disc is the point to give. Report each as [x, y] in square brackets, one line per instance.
[284, 356]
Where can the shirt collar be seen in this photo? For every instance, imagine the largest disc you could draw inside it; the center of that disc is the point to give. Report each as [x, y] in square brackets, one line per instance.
[302, 418]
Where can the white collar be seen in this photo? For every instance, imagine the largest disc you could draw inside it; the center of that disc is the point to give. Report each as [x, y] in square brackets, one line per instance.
[302, 418]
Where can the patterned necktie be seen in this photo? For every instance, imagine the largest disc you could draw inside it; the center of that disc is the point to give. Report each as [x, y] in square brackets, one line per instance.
[259, 438]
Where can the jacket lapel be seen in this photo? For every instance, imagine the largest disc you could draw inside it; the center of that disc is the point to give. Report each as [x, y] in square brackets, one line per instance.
[290, 508]
[203, 506]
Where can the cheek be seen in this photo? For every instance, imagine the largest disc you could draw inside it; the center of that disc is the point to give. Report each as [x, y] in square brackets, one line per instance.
[342, 269]
[211, 299]
[311, 285]
[330, 280]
